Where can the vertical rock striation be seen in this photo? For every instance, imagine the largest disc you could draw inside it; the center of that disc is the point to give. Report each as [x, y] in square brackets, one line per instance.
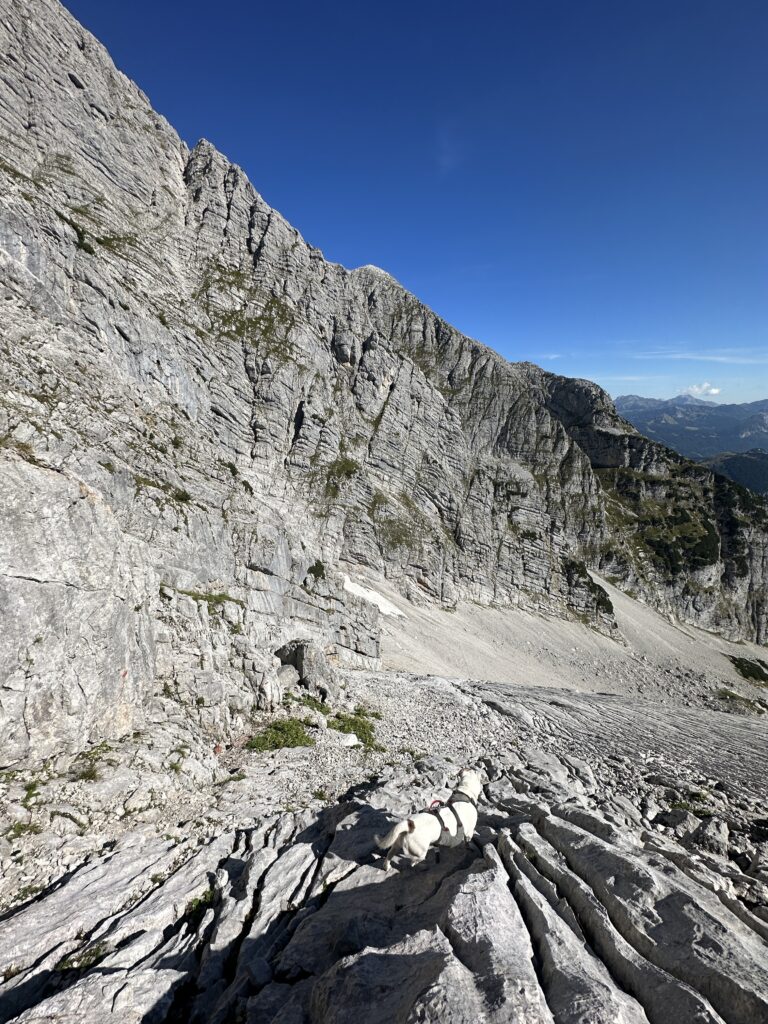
[202, 420]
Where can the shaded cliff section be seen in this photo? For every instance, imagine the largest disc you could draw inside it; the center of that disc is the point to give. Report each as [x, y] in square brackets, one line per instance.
[196, 390]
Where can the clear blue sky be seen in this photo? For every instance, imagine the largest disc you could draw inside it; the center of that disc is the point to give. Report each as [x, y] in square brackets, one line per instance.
[581, 183]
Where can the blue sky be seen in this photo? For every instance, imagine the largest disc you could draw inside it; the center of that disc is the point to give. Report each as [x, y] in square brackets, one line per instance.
[582, 184]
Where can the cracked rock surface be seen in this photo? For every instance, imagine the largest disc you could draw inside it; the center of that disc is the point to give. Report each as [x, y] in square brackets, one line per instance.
[569, 906]
[611, 879]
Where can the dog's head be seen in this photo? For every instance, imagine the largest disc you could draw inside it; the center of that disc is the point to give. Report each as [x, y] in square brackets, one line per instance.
[470, 782]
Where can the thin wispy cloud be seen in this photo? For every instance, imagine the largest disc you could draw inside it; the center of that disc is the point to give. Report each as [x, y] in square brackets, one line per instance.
[551, 355]
[735, 357]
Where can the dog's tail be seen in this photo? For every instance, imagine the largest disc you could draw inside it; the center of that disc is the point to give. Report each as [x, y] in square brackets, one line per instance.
[391, 837]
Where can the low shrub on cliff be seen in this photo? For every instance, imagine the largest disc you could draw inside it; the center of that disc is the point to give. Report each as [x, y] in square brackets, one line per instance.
[339, 470]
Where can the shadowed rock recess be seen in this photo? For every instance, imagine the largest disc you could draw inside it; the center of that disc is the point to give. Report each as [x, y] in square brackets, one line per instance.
[205, 430]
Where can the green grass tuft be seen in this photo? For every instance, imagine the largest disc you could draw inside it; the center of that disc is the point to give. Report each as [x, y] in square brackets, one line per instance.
[287, 732]
[359, 723]
[83, 958]
[315, 703]
[20, 828]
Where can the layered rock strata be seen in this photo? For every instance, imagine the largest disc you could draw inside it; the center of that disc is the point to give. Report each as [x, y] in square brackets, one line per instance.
[202, 420]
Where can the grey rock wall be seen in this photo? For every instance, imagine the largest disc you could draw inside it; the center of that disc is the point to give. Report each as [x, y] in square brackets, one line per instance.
[202, 420]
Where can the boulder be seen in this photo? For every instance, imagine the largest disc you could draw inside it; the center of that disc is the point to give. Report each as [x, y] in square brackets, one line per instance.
[315, 672]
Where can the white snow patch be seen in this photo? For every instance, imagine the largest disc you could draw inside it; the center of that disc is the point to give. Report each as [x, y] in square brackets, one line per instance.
[385, 607]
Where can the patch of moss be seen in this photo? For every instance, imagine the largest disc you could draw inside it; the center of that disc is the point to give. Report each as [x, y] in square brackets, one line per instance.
[80, 232]
[398, 526]
[336, 472]
[286, 732]
[12, 172]
[22, 448]
[415, 755]
[378, 502]
[214, 601]
[116, 243]
[26, 892]
[684, 805]
[317, 569]
[395, 532]
[236, 777]
[179, 494]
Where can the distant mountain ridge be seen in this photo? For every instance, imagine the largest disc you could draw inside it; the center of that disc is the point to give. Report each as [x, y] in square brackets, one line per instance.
[698, 428]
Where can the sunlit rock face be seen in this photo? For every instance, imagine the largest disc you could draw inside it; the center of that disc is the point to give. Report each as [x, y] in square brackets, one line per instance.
[202, 421]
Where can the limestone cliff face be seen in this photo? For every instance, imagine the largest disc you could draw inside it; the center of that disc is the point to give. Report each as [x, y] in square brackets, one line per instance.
[203, 423]
[692, 542]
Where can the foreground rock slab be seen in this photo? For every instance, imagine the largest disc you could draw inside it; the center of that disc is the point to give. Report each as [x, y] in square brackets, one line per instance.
[553, 914]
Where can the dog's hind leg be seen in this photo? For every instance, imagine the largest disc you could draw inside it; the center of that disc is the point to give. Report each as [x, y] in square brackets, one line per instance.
[394, 849]
[418, 853]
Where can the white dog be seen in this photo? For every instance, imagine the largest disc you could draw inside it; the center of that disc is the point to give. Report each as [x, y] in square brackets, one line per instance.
[446, 825]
